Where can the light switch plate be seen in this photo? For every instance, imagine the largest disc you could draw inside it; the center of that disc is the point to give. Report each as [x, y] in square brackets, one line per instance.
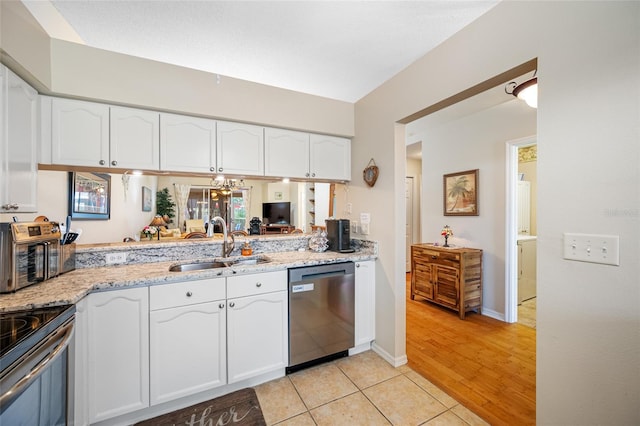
[592, 248]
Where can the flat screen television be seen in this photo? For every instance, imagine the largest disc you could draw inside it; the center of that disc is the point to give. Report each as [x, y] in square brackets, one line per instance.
[276, 213]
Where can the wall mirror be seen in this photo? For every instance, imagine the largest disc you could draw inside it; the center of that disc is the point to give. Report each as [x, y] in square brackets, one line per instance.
[89, 195]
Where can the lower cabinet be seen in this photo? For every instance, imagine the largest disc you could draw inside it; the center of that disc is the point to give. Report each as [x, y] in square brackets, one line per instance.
[117, 351]
[187, 335]
[257, 324]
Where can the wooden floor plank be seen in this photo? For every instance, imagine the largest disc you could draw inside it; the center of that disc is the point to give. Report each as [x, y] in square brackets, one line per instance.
[487, 365]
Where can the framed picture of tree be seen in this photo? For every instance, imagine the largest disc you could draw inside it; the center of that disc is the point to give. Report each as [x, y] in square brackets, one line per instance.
[461, 193]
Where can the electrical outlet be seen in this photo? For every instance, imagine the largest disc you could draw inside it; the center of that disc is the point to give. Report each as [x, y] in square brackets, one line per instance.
[592, 248]
[112, 258]
[349, 208]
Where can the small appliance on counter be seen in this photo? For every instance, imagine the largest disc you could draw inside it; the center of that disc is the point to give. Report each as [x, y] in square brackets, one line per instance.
[339, 235]
[254, 226]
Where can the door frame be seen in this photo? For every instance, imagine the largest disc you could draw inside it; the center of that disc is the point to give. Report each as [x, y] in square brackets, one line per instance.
[511, 231]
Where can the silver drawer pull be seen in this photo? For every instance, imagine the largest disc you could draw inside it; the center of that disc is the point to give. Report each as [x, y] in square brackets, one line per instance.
[258, 284]
[232, 304]
[221, 305]
[189, 294]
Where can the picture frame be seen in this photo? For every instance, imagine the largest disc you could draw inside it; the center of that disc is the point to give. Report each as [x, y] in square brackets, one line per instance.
[460, 193]
[146, 199]
[89, 196]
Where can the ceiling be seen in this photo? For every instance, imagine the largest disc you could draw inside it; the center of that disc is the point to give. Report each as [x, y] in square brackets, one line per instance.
[336, 49]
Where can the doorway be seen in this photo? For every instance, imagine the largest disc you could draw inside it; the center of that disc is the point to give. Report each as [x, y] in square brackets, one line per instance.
[521, 231]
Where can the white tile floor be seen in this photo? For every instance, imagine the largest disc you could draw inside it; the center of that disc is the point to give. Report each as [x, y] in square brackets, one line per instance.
[359, 390]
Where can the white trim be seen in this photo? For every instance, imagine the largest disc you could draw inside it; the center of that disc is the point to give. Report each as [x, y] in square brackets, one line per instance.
[493, 314]
[511, 232]
[394, 361]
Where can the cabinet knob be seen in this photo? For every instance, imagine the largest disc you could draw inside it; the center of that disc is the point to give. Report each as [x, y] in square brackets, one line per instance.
[220, 169]
[101, 162]
[114, 163]
[306, 174]
[313, 175]
[258, 284]
[357, 265]
[212, 169]
[232, 304]
[434, 257]
[189, 294]
[221, 305]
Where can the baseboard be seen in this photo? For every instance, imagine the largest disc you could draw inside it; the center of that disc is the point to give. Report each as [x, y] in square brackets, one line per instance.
[394, 361]
[493, 314]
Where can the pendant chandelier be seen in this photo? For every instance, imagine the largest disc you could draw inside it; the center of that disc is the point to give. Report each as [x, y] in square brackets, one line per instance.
[226, 186]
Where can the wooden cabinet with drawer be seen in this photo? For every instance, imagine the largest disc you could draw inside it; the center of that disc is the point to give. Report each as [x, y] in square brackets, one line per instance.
[451, 277]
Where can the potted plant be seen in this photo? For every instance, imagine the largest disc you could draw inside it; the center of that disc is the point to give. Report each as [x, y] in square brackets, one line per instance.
[164, 205]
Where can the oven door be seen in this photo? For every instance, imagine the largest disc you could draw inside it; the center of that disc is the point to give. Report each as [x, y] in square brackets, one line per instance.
[33, 391]
[35, 262]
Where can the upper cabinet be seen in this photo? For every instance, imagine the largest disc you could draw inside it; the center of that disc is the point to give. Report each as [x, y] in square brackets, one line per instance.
[18, 143]
[308, 156]
[330, 157]
[188, 144]
[97, 135]
[240, 149]
[89, 134]
[79, 133]
[135, 139]
[286, 153]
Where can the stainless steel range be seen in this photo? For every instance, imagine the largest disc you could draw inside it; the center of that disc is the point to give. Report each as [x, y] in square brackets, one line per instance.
[34, 366]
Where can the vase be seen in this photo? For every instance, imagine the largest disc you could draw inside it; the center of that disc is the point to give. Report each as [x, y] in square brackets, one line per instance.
[446, 237]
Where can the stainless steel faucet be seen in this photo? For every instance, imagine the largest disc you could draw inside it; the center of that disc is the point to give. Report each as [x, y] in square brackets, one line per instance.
[226, 247]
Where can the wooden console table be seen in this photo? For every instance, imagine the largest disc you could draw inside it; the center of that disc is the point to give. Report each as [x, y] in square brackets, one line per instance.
[276, 229]
[451, 277]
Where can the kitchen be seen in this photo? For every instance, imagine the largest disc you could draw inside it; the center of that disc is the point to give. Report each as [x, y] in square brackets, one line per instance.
[376, 114]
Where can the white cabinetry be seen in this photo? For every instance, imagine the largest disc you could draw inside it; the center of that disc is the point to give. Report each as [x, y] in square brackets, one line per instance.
[257, 324]
[187, 144]
[187, 338]
[365, 301]
[330, 157]
[240, 149]
[117, 352]
[135, 139]
[286, 153]
[79, 133]
[97, 135]
[18, 144]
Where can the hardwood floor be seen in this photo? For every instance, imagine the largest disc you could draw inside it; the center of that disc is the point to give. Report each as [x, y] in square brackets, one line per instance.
[487, 365]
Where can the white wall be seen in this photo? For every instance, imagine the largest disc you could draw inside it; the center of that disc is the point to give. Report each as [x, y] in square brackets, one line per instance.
[588, 345]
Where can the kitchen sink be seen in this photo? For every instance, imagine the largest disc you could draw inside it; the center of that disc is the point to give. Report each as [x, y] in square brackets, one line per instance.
[184, 267]
[196, 266]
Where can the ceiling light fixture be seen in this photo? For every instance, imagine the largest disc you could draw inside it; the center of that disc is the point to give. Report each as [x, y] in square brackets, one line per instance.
[527, 91]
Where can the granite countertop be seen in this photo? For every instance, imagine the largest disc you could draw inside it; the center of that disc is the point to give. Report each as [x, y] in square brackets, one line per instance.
[69, 288]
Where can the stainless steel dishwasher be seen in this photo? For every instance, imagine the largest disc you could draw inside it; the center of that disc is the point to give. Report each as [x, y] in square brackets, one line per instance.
[321, 313]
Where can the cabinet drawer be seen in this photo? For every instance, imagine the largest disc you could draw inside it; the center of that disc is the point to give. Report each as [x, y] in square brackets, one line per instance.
[248, 285]
[186, 293]
[438, 257]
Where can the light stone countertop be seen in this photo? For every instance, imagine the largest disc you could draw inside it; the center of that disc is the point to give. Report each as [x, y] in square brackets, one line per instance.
[69, 288]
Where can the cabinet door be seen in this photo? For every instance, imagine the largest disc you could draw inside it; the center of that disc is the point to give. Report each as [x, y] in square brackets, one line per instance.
[330, 157]
[79, 133]
[118, 352]
[286, 153]
[240, 149]
[135, 139]
[188, 350]
[365, 302]
[257, 335]
[19, 173]
[447, 285]
[422, 279]
[187, 144]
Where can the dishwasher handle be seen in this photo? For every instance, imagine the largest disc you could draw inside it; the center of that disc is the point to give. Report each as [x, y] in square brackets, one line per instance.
[321, 271]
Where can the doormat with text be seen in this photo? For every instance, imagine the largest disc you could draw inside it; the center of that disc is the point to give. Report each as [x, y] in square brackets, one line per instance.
[237, 408]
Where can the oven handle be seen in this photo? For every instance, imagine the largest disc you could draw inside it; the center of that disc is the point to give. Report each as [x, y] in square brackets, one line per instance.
[61, 336]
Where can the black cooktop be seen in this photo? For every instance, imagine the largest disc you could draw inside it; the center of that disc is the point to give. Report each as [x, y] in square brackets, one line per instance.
[21, 330]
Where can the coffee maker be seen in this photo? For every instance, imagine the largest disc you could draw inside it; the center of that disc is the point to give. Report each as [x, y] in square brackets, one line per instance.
[338, 235]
